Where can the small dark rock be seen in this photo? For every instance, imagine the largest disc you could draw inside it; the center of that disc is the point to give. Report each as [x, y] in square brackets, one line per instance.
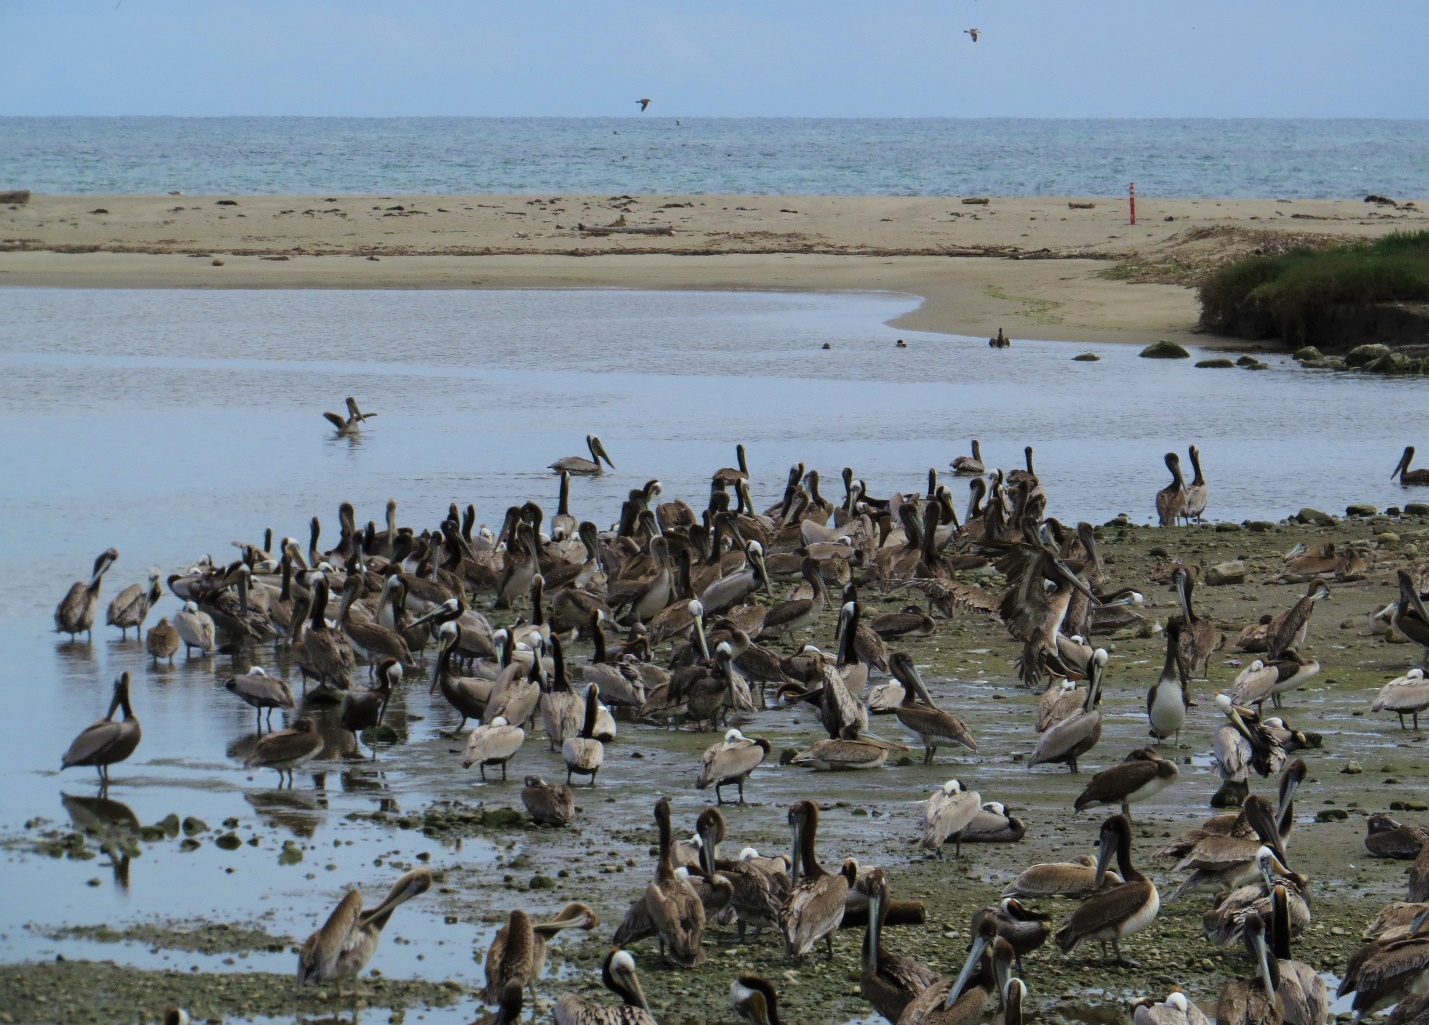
[1087, 357]
[1220, 363]
[1164, 350]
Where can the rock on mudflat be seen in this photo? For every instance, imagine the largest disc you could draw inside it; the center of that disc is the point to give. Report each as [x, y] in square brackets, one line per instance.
[1220, 363]
[1315, 517]
[1416, 508]
[1226, 573]
[1361, 509]
[1363, 354]
[1164, 350]
[1086, 357]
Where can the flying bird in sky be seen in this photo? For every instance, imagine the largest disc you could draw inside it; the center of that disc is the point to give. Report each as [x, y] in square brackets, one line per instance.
[974, 32]
[643, 104]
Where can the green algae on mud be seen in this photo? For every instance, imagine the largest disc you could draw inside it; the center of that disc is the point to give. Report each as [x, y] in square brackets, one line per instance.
[194, 937]
[100, 993]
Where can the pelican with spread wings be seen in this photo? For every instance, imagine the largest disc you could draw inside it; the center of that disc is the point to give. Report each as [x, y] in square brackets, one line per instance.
[350, 425]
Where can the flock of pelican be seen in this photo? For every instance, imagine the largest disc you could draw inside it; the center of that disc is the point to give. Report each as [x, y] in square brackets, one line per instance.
[702, 581]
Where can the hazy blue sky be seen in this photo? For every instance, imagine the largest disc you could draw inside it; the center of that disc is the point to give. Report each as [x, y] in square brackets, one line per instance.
[1036, 58]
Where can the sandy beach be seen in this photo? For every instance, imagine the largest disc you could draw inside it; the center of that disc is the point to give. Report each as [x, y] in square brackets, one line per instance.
[1045, 267]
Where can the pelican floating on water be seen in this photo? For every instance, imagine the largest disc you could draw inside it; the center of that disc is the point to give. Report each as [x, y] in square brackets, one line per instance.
[581, 465]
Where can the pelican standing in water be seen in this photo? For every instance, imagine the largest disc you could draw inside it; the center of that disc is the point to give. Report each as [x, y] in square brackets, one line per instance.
[496, 743]
[518, 951]
[580, 464]
[617, 973]
[348, 939]
[106, 742]
[74, 614]
[731, 762]
[351, 425]
[162, 641]
[1118, 912]
[196, 630]
[131, 606]
[287, 749]
[1197, 493]
[260, 691]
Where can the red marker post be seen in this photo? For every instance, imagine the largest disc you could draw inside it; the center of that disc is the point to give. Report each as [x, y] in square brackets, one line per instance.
[1133, 202]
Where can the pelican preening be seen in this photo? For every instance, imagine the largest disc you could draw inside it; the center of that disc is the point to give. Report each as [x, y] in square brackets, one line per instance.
[131, 606]
[730, 763]
[287, 750]
[347, 940]
[261, 692]
[1404, 695]
[74, 614]
[351, 425]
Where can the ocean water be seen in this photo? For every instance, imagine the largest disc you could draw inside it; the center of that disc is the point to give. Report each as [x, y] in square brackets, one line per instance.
[818, 156]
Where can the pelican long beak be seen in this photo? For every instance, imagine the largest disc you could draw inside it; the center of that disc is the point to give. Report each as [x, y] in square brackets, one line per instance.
[1104, 855]
[974, 956]
[1263, 957]
[874, 903]
[1287, 799]
[1299, 549]
[794, 854]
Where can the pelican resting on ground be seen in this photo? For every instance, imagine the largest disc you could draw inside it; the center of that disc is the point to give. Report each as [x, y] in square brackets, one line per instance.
[617, 973]
[348, 939]
[1174, 1010]
[1075, 878]
[551, 804]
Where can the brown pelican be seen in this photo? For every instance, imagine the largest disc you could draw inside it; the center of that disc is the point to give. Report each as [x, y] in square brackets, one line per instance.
[196, 629]
[1325, 564]
[1387, 838]
[1405, 474]
[674, 909]
[994, 825]
[1199, 637]
[1385, 971]
[162, 641]
[349, 938]
[1144, 774]
[909, 622]
[1288, 630]
[373, 641]
[1060, 701]
[1300, 987]
[816, 900]
[287, 749]
[105, 742]
[1393, 921]
[849, 750]
[1236, 824]
[258, 690]
[467, 694]
[1223, 923]
[364, 709]
[325, 648]
[964, 1000]
[1070, 739]
[75, 612]
[1169, 696]
[1032, 613]
[618, 975]
[1024, 929]
[351, 425]
[1074, 878]
[790, 617]
[1242, 744]
[1405, 695]
[1174, 1010]
[508, 1007]
[970, 466]
[1196, 492]
[581, 465]
[1118, 912]
[496, 743]
[1226, 862]
[918, 715]
[551, 804]
[729, 476]
[1410, 618]
[1260, 681]
[1171, 499]
[733, 588]
[946, 814]
[887, 981]
[1253, 1001]
[131, 606]
[518, 950]
[755, 1000]
[758, 886]
[583, 754]
[731, 762]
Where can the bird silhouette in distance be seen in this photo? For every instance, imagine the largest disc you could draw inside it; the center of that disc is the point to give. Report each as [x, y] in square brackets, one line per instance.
[974, 32]
[643, 104]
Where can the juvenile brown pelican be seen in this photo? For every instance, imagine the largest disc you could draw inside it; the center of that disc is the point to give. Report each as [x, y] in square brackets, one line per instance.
[1405, 474]
[731, 762]
[1236, 824]
[583, 754]
[1253, 1001]
[1385, 971]
[947, 814]
[816, 900]
[918, 715]
[1118, 912]
[287, 749]
[906, 623]
[675, 911]
[581, 465]
[1405, 695]
[1387, 838]
[758, 886]
[1070, 739]
[351, 425]
[508, 1009]
[75, 613]
[162, 641]
[887, 981]
[1288, 630]
[1074, 878]
[196, 629]
[970, 466]
[1144, 774]
[1197, 493]
[131, 606]
[849, 750]
[1174, 1010]
[1199, 637]
[1024, 929]
[551, 804]
[105, 742]
[964, 1000]
[1224, 922]
[1242, 744]
[994, 825]
[1325, 564]
[1060, 701]
[1261, 681]
[258, 690]
[1171, 499]
[325, 648]
[617, 973]
[730, 477]
[733, 588]
[349, 938]
[518, 951]
[755, 1000]
[1410, 618]
[1300, 987]
[1032, 613]
[1226, 862]
[496, 743]
[364, 709]
[1169, 696]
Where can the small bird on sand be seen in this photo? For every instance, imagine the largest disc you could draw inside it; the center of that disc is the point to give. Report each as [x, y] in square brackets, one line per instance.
[974, 32]
[643, 104]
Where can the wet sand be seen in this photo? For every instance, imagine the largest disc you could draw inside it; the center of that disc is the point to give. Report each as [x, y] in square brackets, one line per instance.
[1058, 271]
[1365, 765]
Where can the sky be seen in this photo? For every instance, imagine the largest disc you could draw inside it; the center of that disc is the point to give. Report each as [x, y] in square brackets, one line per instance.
[731, 58]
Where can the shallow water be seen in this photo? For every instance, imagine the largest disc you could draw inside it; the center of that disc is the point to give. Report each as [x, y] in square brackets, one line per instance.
[168, 423]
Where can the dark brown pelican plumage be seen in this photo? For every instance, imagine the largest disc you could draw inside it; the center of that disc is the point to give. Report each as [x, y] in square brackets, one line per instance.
[675, 911]
[917, 713]
[344, 944]
[1197, 493]
[1410, 618]
[816, 900]
[517, 953]
[1120, 911]
[350, 425]
[755, 1000]
[1390, 839]
[1023, 928]
[1253, 1001]
[1288, 630]
[106, 742]
[131, 606]
[1073, 737]
[1200, 638]
[1384, 971]
[287, 749]
[1405, 474]
[1144, 774]
[887, 981]
[970, 466]
[75, 613]
[261, 692]
[1171, 500]
[551, 804]
[964, 1000]
[162, 641]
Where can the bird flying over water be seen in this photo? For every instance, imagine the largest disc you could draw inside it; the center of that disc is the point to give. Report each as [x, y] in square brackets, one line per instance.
[974, 32]
[643, 104]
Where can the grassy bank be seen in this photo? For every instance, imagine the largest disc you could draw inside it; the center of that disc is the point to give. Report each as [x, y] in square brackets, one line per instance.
[1316, 296]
